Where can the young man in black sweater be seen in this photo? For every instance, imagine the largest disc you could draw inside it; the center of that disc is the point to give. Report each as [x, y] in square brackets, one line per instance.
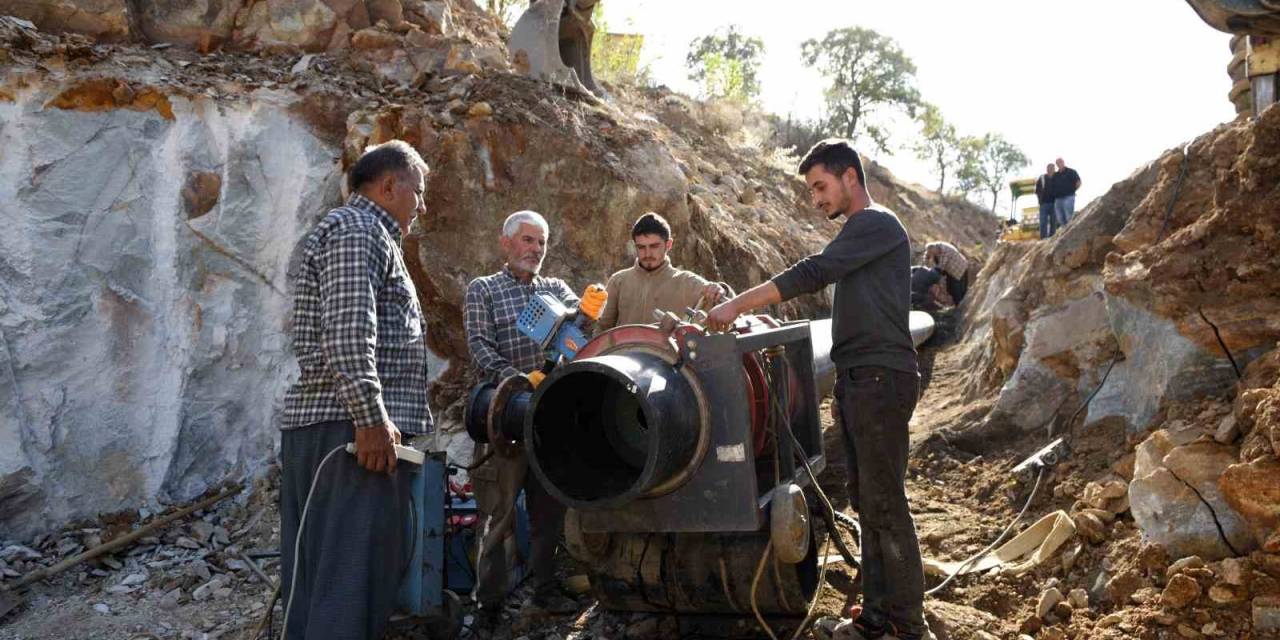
[877, 382]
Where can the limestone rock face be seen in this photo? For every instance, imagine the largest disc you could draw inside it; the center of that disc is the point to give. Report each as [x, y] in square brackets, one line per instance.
[133, 331]
[1178, 504]
[151, 212]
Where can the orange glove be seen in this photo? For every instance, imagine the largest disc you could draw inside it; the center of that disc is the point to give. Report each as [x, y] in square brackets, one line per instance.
[535, 378]
[593, 300]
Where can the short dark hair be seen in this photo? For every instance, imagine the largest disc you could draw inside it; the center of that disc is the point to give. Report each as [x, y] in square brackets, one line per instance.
[836, 155]
[651, 224]
[393, 155]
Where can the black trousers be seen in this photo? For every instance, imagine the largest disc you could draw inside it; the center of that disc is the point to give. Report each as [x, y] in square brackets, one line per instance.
[875, 409]
[354, 550]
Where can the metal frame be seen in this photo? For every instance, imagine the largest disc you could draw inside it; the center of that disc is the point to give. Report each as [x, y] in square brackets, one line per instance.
[724, 495]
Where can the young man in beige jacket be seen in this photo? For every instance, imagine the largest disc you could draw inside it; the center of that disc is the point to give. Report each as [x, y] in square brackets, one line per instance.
[652, 283]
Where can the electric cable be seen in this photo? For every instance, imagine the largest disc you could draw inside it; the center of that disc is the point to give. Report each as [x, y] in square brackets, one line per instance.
[1177, 189]
[828, 513]
[302, 524]
[965, 565]
[755, 583]
[297, 539]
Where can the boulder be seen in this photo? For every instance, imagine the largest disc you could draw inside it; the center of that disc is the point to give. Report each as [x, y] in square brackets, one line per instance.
[1178, 505]
[1253, 491]
[1160, 365]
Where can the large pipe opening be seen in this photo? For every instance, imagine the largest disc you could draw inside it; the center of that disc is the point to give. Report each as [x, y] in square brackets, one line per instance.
[603, 431]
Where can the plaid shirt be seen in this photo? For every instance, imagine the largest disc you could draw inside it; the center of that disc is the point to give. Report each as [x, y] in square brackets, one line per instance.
[357, 327]
[948, 258]
[493, 302]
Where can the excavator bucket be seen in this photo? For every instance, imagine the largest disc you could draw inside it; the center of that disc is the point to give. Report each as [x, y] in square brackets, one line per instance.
[552, 42]
[1258, 17]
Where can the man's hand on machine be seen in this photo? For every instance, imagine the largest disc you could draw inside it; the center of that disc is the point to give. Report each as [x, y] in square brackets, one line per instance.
[721, 317]
[376, 447]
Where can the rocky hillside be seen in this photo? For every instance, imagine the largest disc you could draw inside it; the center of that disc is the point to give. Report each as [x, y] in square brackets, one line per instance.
[160, 166]
[1145, 334]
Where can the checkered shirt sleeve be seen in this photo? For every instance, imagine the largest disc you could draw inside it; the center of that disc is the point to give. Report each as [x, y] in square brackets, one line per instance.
[358, 328]
[498, 349]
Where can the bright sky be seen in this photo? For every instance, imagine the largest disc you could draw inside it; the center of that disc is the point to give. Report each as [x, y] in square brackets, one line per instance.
[1108, 85]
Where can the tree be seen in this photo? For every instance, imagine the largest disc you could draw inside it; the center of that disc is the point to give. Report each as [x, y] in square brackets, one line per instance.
[939, 143]
[989, 161]
[615, 57]
[867, 73]
[726, 64]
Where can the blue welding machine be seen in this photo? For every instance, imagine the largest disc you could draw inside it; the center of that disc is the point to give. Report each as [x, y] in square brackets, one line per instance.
[543, 321]
[442, 564]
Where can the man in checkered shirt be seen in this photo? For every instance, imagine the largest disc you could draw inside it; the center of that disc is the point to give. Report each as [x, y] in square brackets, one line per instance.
[500, 351]
[953, 264]
[358, 336]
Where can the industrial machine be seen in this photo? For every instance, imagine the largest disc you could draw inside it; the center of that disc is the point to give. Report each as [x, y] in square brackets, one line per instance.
[1024, 221]
[1255, 48]
[682, 454]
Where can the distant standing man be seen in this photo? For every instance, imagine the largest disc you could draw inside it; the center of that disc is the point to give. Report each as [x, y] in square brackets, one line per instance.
[358, 336]
[1065, 185]
[877, 384]
[652, 283]
[499, 351]
[1044, 193]
[955, 267]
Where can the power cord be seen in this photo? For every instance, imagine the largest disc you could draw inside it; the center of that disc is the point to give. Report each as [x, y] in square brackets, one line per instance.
[828, 514]
[302, 524]
[297, 540]
[965, 565]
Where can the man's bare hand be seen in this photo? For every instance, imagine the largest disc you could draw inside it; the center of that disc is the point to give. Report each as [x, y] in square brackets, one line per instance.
[375, 447]
[722, 316]
[712, 293]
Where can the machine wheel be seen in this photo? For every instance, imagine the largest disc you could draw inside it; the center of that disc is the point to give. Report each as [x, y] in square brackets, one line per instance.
[789, 529]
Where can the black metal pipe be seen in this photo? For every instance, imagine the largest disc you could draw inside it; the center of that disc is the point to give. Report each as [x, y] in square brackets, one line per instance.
[606, 430]
[476, 416]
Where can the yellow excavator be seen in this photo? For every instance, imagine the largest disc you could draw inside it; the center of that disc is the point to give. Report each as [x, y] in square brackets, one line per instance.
[1255, 48]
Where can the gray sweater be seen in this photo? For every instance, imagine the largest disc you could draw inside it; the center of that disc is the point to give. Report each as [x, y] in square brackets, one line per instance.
[870, 263]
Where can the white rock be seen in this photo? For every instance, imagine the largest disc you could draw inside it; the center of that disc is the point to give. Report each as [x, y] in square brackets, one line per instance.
[1227, 431]
[132, 579]
[1048, 599]
[102, 608]
[1079, 598]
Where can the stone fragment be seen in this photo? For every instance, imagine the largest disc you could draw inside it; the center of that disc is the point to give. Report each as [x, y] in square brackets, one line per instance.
[1266, 614]
[1079, 598]
[1180, 592]
[1048, 598]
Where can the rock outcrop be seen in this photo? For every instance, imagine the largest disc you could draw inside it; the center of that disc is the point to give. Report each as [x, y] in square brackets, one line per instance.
[153, 198]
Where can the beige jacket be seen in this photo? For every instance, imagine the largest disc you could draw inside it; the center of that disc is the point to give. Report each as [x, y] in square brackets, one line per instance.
[634, 294]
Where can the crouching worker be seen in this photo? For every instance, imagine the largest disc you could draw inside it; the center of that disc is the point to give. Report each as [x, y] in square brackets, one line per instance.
[358, 336]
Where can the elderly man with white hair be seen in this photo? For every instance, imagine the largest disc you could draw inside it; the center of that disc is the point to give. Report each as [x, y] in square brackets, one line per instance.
[500, 351]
